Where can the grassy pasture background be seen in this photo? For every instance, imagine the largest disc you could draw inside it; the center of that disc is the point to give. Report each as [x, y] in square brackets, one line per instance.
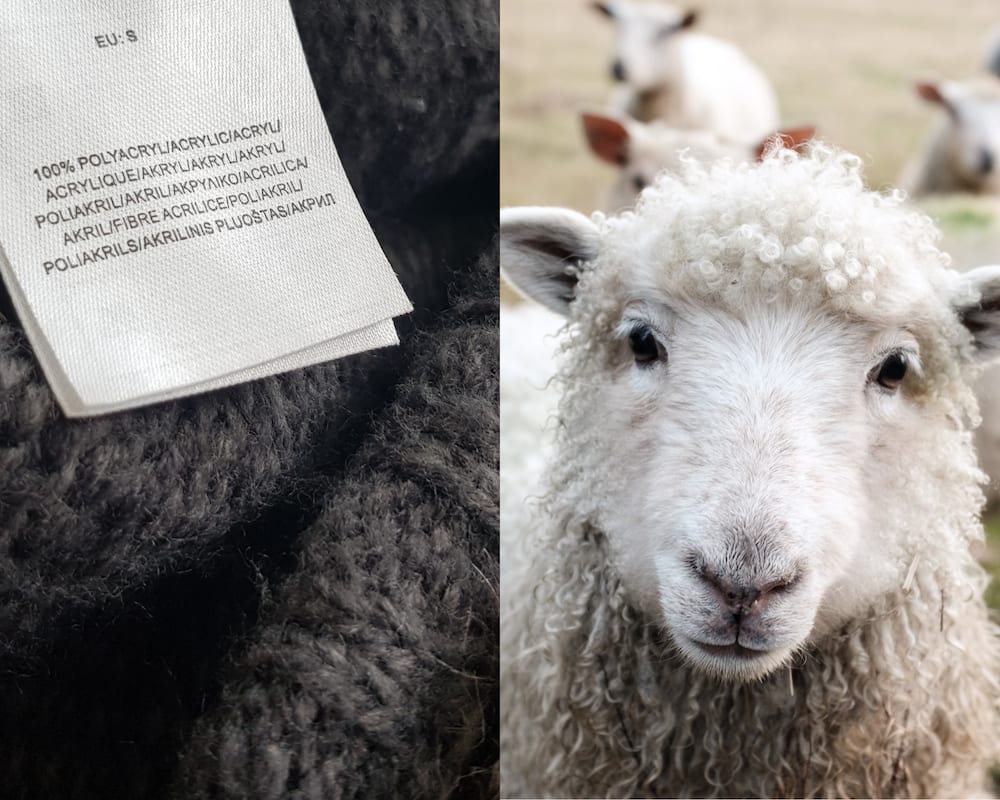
[846, 66]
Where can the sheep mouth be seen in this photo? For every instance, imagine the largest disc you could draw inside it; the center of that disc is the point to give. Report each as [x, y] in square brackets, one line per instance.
[734, 661]
[734, 650]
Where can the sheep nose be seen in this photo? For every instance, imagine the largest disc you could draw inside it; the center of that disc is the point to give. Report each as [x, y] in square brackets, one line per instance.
[745, 597]
[618, 70]
[985, 162]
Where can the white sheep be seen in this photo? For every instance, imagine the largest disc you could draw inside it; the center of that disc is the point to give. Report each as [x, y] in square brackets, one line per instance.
[971, 234]
[751, 575]
[641, 150]
[685, 78]
[987, 439]
[527, 413]
[992, 61]
[962, 153]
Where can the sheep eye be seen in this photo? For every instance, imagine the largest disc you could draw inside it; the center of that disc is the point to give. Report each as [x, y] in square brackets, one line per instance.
[890, 373]
[644, 346]
[639, 183]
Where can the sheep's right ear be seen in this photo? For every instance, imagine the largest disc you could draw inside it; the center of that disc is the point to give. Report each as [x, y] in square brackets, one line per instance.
[608, 138]
[607, 9]
[541, 250]
[976, 299]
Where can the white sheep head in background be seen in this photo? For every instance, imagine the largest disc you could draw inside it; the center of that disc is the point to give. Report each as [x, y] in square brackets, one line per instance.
[641, 150]
[764, 398]
[639, 57]
[963, 153]
[667, 71]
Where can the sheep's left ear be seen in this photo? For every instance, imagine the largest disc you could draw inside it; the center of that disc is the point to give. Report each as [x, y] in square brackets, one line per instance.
[977, 303]
[541, 250]
[790, 138]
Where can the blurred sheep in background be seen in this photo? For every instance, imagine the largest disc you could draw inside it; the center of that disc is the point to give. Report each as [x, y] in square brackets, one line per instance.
[642, 150]
[684, 78]
[963, 153]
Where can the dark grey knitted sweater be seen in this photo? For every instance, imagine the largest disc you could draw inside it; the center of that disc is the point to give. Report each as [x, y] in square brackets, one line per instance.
[288, 588]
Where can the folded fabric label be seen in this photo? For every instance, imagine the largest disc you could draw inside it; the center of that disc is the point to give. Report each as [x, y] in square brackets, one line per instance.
[173, 213]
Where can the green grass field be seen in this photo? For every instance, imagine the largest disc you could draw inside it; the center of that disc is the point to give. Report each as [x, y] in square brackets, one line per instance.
[846, 66]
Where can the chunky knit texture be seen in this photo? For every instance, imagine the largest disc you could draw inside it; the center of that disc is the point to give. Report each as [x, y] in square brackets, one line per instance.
[384, 639]
[410, 90]
[178, 579]
[90, 508]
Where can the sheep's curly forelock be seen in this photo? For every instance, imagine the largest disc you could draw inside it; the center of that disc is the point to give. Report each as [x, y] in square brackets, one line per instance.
[803, 224]
[903, 700]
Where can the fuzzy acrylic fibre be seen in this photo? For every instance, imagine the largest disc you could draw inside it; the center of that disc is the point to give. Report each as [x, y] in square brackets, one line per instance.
[172, 591]
[394, 80]
[374, 671]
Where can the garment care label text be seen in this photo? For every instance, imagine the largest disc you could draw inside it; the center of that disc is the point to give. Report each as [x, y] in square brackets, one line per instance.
[178, 218]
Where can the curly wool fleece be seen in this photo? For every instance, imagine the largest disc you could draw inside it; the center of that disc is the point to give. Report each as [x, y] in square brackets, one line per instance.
[152, 563]
[902, 700]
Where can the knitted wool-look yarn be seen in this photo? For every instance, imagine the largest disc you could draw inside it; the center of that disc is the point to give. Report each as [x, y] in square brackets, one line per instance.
[371, 670]
[415, 97]
[131, 505]
[373, 673]
[147, 557]
[89, 508]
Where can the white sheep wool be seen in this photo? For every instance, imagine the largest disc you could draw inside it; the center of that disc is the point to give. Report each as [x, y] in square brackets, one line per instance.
[773, 291]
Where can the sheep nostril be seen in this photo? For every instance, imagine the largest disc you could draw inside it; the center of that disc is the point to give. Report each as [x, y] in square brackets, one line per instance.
[729, 593]
[740, 596]
[776, 588]
[782, 585]
[986, 162]
[618, 70]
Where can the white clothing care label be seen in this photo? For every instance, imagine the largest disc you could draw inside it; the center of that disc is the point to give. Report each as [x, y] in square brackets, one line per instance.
[174, 217]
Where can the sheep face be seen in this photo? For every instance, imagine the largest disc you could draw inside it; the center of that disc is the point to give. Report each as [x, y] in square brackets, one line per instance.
[971, 138]
[757, 418]
[640, 58]
[732, 427]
